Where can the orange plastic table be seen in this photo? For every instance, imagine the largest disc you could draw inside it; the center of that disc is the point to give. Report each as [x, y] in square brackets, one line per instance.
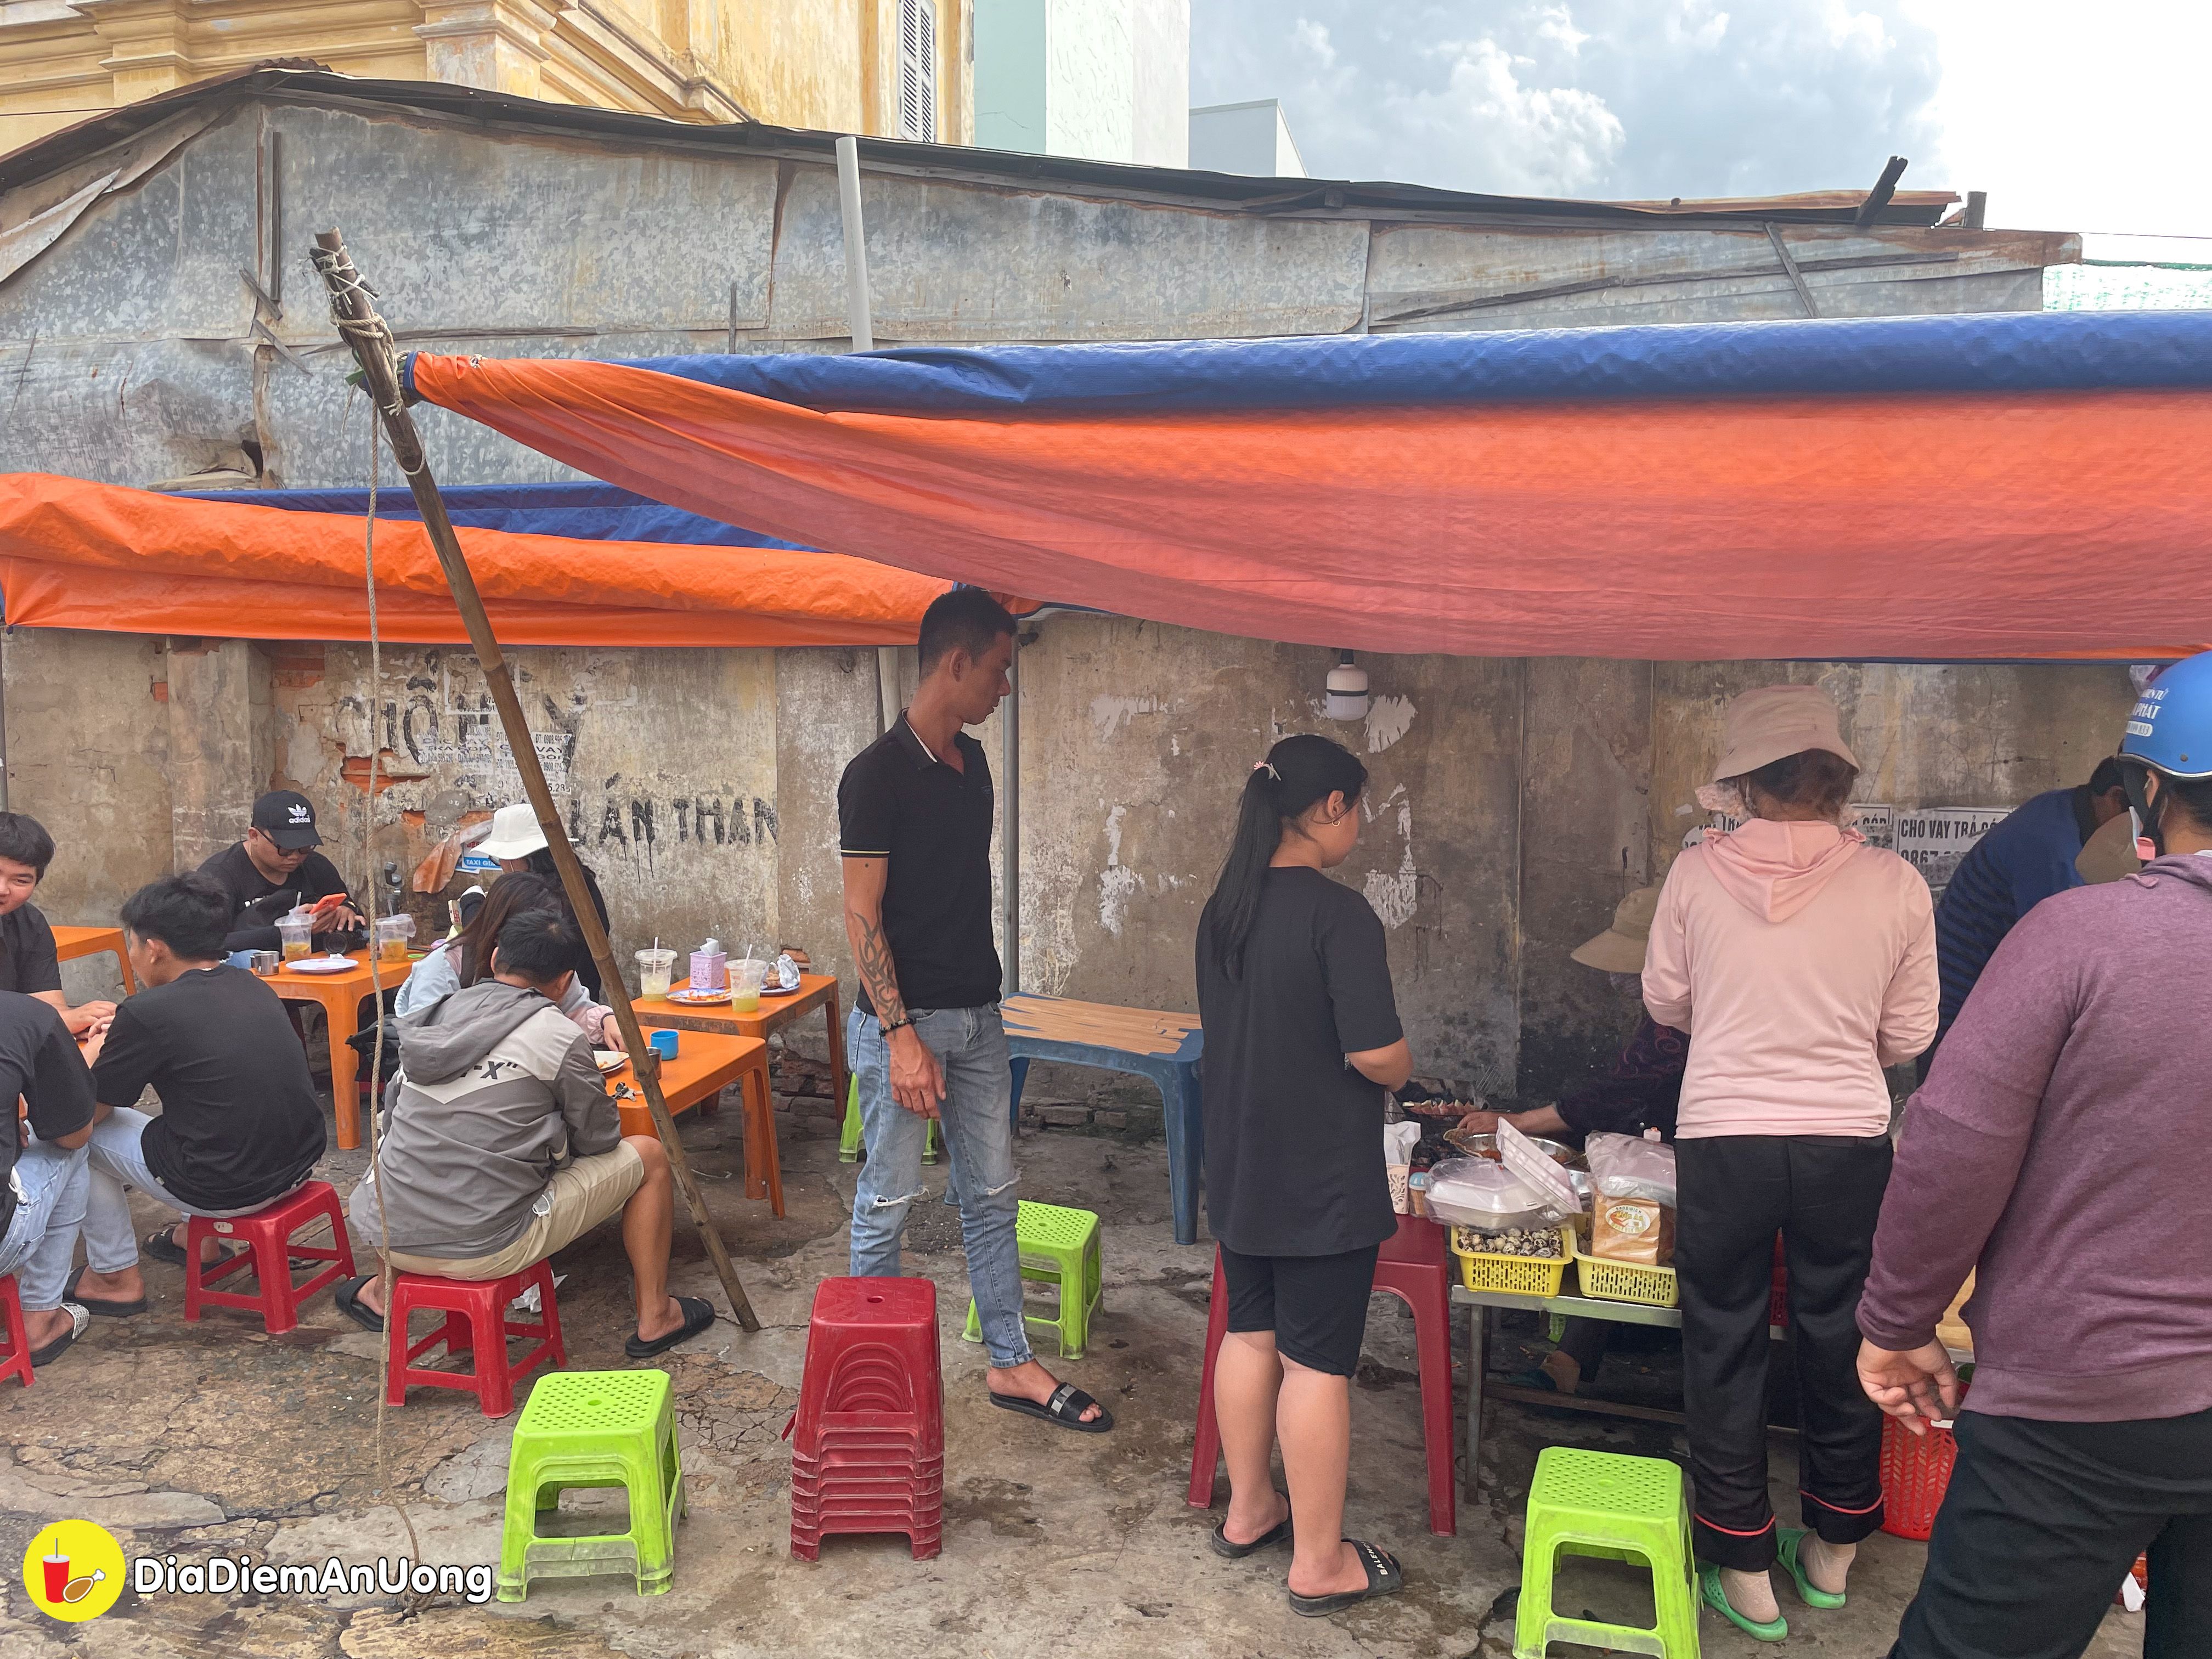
[341, 996]
[706, 1063]
[815, 991]
[70, 943]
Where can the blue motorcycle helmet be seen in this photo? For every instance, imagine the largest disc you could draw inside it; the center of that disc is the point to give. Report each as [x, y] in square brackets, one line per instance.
[2169, 731]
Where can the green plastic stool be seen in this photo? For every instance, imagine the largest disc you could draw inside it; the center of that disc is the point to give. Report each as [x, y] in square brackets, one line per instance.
[848, 1137]
[1618, 1509]
[1058, 1247]
[594, 1429]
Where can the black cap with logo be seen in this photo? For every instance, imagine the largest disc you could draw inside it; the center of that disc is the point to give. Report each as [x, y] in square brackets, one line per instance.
[285, 817]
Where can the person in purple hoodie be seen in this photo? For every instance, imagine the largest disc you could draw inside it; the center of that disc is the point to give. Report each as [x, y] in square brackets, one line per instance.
[2062, 1149]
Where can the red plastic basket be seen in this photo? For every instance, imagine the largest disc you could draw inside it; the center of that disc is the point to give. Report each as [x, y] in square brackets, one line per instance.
[1916, 1472]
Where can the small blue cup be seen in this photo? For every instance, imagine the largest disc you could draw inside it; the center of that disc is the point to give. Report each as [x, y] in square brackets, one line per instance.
[662, 1042]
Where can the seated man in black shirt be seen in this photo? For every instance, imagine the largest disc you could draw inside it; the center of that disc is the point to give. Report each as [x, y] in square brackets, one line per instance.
[42, 1184]
[240, 1125]
[28, 960]
[276, 869]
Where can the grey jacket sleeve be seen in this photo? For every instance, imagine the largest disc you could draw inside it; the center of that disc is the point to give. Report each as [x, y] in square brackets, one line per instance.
[594, 1120]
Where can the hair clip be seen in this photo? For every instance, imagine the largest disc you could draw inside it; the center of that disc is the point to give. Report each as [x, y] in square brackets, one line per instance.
[1268, 767]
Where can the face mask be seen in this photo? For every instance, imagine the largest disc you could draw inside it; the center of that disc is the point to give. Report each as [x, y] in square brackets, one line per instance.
[2142, 816]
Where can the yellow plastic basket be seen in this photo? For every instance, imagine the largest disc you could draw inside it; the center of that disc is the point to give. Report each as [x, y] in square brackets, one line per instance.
[1516, 1275]
[1627, 1281]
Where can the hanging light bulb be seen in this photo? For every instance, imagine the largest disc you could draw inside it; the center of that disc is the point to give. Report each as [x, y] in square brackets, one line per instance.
[1347, 690]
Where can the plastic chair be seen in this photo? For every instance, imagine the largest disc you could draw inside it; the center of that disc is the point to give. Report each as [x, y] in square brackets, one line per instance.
[867, 1451]
[594, 1429]
[1619, 1509]
[16, 1360]
[848, 1133]
[1182, 1104]
[476, 1319]
[269, 1256]
[1413, 1267]
[1058, 1247]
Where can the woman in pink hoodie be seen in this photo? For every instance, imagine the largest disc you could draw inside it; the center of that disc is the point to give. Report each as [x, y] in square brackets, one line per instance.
[1802, 961]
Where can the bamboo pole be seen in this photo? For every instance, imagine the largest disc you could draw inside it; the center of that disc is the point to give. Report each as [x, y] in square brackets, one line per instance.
[352, 307]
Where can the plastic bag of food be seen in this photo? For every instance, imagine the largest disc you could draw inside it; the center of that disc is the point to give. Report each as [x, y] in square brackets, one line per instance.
[1624, 1166]
[1633, 1230]
[1474, 1192]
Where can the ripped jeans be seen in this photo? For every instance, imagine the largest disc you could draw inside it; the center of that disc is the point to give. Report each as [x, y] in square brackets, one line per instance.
[970, 1045]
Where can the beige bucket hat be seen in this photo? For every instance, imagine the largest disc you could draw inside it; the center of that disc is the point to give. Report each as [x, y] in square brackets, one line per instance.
[2110, 853]
[1763, 727]
[1620, 949]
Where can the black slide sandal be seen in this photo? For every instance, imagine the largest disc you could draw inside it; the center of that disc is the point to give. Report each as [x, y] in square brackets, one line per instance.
[101, 1305]
[1384, 1577]
[698, 1316]
[1065, 1409]
[348, 1297]
[1278, 1534]
[60, 1346]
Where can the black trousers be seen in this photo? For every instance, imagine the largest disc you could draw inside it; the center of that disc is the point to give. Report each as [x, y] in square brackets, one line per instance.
[1823, 1194]
[2038, 1524]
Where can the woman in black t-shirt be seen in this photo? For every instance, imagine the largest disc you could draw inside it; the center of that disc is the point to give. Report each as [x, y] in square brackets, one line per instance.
[1302, 1039]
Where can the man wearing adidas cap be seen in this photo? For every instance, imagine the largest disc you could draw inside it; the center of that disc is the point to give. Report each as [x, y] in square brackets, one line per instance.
[275, 869]
[2060, 1149]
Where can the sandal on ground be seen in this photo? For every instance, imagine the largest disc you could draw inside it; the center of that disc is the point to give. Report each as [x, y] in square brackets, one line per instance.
[698, 1316]
[162, 1248]
[348, 1297]
[1066, 1407]
[54, 1350]
[100, 1304]
[1384, 1577]
[1708, 1580]
[1278, 1534]
[1789, 1546]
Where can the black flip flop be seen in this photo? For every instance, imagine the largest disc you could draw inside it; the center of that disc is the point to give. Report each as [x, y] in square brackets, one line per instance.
[1278, 1534]
[1384, 1577]
[348, 1297]
[1065, 1408]
[60, 1346]
[162, 1248]
[698, 1316]
[96, 1304]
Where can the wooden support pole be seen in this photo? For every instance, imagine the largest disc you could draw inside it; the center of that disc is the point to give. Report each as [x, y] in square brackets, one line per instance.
[352, 306]
[1789, 268]
[1878, 197]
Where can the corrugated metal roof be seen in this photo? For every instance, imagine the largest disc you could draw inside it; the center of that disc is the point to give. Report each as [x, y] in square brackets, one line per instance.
[300, 80]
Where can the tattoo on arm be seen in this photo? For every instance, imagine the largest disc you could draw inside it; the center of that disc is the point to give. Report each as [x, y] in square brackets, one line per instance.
[871, 956]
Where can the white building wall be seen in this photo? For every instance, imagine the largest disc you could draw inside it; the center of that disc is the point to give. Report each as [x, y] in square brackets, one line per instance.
[1010, 75]
[1251, 138]
[1160, 31]
[1089, 71]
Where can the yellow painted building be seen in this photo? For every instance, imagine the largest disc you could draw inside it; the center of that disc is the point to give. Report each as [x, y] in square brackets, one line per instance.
[897, 68]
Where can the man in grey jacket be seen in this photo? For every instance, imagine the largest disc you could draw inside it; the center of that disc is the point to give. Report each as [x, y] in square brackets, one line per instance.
[500, 1145]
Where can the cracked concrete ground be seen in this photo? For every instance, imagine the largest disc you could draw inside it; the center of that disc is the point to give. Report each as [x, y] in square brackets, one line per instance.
[218, 1439]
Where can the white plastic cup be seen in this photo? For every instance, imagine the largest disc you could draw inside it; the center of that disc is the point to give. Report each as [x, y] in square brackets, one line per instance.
[656, 971]
[392, 933]
[295, 936]
[746, 981]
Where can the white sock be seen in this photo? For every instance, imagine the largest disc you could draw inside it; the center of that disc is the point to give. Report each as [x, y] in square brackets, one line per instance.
[1752, 1595]
[1826, 1565]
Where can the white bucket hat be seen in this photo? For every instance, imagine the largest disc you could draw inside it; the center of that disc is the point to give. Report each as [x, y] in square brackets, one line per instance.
[514, 833]
[1775, 721]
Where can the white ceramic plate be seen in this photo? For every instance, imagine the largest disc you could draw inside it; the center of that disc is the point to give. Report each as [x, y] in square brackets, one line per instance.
[609, 1060]
[699, 999]
[321, 964]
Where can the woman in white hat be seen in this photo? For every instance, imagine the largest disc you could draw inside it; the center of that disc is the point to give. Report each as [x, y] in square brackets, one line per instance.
[517, 843]
[1802, 961]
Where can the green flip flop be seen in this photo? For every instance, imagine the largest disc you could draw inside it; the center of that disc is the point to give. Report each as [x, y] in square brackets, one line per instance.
[1708, 1580]
[1787, 1546]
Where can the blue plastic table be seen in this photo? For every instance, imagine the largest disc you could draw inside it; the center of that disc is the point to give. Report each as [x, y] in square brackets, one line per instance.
[1165, 1047]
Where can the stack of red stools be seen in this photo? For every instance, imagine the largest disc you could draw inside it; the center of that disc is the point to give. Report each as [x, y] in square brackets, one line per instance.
[868, 1444]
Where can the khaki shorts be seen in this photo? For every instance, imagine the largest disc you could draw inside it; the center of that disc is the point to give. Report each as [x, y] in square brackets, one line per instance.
[583, 1194]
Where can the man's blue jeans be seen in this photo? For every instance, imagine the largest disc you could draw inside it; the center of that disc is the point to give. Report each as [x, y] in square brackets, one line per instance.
[50, 1184]
[970, 1045]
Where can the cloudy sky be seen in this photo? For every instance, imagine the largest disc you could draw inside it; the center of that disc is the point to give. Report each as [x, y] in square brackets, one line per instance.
[2071, 115]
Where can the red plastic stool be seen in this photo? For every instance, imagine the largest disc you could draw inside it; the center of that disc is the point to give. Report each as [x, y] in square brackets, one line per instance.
[16, 1361]
[476, 1319]
[868, 1442]
[1413, 1267]
[268, 1236]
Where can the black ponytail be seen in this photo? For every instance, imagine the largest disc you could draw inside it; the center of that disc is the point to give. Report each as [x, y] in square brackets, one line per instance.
[1297, 772]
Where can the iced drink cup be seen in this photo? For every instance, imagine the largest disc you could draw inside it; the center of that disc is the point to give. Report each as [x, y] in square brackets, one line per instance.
[656, 969]
[295, 937]
[745, 979]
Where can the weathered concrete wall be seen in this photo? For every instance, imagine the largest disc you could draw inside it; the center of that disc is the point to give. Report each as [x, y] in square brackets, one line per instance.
[88, 734]
[665, 763]
[1136, 740]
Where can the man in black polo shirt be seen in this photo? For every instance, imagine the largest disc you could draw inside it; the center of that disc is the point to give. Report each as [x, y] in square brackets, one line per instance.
[29, 963]
[925, 1038]
[275, 869]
